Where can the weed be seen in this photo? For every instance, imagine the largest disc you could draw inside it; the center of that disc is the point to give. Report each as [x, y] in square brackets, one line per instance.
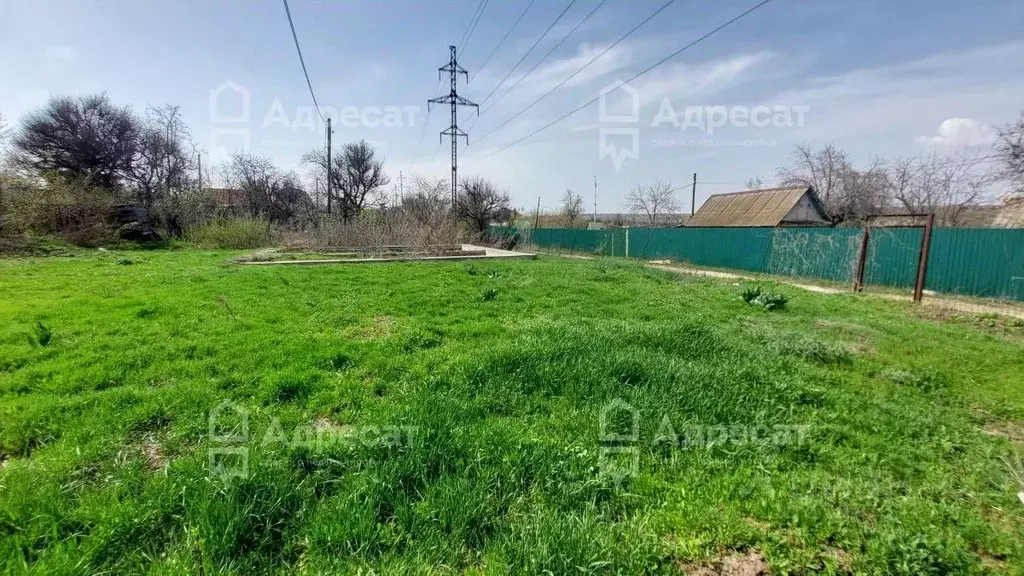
[756, 296]
[125, 262]
[489, 293]
[41, 335]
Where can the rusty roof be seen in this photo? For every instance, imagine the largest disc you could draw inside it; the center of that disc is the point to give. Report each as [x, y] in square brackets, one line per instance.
[764, 207]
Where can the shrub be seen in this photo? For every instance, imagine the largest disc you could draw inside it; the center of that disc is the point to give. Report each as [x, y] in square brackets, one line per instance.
[756, 296]
[238, 233]
[73, 211]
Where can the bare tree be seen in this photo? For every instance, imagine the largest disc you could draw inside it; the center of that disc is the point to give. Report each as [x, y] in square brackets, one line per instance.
[755, 183]
[942, 185]
[4, 130]
[572, 207]
[164, 166]
[847, 193]
[357, 176]
[76, 138]
[480, 202]
[654, 201]
[268, 192]
[1010, 149]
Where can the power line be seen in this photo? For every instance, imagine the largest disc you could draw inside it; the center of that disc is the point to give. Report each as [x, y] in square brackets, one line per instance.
[634, 77]
[472, 25]
[581, 69]
[545, 57]
[542, 36]
[505, 37]
[301, 59]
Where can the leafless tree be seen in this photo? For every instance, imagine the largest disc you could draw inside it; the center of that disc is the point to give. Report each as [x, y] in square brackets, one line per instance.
[268, 192]
[654, 201]
[848, 194]
[572, 207]
[163, 171]
[480, 202]
[755, 183]
[4, 131]
[944, 185]
[1010, 150]
[76, 138]
[357, 176]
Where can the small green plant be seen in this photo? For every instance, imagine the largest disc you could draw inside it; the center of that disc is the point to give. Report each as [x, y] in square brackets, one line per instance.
[489, 293]
[125, 262]
[472, 270]
[42, 335]
[756, 296]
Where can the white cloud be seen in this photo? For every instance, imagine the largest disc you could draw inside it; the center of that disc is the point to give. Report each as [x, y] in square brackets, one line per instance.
[960, 132]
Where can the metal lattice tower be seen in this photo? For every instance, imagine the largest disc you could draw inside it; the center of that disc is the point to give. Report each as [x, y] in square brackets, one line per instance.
[453, 69]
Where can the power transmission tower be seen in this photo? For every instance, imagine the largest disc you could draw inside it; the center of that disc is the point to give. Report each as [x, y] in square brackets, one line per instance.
[453, 69]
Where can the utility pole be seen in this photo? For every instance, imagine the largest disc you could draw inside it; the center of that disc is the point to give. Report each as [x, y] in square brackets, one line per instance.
[595, 198]
[453, 69]
[199, 158]
[329, 162]
[693, 196]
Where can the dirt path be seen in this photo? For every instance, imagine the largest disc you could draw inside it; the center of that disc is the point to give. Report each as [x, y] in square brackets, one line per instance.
[931, 300]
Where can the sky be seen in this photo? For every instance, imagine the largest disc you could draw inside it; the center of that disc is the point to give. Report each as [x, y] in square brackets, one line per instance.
[878, 78]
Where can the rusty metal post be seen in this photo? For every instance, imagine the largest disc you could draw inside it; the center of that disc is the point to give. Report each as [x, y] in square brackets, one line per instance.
[922, 264]
[862, 259]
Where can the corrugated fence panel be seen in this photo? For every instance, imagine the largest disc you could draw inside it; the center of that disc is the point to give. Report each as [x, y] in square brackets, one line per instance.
[893, 257]
[979, 262]
[737, 248]
[611, 242]
[827, 253]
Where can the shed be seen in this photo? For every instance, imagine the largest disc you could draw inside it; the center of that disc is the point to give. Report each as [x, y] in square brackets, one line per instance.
[765, 208]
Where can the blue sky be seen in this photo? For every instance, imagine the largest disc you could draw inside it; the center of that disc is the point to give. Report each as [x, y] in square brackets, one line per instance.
[876, 77]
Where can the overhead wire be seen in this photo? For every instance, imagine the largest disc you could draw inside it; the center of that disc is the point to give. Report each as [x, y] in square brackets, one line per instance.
[581, 69]
[302, 60]
[634, 77]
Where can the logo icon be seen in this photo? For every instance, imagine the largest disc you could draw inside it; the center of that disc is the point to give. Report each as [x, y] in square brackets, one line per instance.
[618, 103]
[619, 457]
[229, 437]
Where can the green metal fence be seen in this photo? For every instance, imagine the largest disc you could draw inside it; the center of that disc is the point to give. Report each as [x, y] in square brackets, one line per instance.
[979, 262]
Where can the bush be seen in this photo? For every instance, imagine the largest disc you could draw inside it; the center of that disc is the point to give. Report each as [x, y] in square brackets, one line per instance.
[240, 233]
[73, 211]
[755, 296]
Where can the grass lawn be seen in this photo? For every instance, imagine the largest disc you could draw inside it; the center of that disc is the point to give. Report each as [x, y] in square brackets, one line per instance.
[450, 418]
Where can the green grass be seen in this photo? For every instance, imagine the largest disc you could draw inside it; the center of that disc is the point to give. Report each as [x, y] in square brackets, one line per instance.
[462, 410]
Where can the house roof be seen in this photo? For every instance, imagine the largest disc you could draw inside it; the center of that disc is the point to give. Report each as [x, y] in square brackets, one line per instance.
[226, 196]
[765, 207]
[1011, 214]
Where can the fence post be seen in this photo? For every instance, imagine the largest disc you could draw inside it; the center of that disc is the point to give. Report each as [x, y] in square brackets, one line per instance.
[862, 260]
[627, 241]
[922, 264]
